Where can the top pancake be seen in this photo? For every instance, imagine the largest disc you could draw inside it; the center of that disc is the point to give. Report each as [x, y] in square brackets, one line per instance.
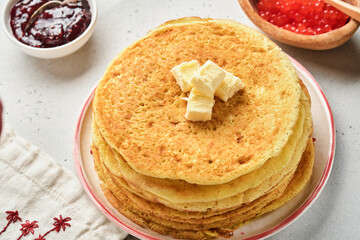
[140, 111]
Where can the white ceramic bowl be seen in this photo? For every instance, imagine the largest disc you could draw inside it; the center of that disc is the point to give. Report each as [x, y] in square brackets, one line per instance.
[54, 52]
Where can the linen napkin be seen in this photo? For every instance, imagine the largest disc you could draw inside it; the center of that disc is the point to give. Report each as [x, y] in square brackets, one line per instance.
[46, 197]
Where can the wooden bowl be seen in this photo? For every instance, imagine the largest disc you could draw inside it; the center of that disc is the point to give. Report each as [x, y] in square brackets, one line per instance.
[323, 41]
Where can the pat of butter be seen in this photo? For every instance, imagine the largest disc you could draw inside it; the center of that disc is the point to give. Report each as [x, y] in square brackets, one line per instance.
[228, 87]
[199, 106]
[208, 78]
[184, 72]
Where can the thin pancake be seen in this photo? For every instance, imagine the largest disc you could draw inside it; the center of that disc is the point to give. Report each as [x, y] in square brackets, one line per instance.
[302, 175]
[135, 203]
[221, 202]
[140, 112]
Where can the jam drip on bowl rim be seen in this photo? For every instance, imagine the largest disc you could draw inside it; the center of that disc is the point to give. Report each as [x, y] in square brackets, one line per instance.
[53, 27]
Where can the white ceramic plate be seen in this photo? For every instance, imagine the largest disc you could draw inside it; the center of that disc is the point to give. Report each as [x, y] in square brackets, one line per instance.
[267, 225]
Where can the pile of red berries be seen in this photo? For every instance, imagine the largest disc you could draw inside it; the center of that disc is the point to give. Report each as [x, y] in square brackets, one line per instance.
[308, 17]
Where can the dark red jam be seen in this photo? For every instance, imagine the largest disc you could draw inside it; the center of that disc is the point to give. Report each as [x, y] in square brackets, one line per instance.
[308, 17]
[53, 27]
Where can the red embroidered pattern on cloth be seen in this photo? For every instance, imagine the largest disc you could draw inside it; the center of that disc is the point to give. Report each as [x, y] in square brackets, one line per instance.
[13, 216]
[28, 227]
[59, 223]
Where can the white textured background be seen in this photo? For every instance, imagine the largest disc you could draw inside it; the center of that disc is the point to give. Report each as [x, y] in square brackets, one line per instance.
[42, 98]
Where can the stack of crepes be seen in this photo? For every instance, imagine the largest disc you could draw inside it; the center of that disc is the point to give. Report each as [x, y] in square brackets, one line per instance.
[200, 180]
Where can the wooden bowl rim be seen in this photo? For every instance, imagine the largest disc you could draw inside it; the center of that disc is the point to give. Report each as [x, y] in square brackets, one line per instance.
[323, 41]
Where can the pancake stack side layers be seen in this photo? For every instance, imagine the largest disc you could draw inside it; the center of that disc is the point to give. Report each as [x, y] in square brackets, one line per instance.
[201, 180]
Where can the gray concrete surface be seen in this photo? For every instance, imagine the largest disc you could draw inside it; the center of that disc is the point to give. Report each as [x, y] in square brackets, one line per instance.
[42, 98]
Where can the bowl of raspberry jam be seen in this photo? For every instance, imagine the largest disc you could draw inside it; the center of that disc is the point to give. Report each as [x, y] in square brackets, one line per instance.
[310, 24]
[55, 32]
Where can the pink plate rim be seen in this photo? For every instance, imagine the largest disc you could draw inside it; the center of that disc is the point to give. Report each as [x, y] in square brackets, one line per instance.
[264, 234]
